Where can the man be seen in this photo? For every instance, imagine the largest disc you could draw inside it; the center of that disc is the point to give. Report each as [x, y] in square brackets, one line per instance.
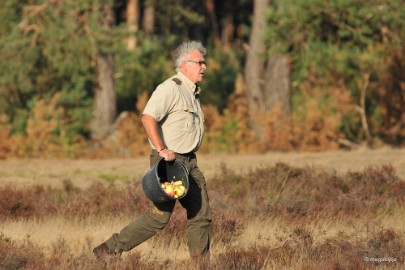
[174, 123]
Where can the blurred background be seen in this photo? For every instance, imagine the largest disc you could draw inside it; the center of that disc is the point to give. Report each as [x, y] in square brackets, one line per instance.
[292, 75]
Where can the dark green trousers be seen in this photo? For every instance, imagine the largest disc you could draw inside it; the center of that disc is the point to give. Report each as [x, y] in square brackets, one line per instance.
[198, 214]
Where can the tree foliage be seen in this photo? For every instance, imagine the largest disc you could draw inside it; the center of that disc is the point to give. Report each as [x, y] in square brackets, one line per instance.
[343, 41]
[346, 56]
[49, 50]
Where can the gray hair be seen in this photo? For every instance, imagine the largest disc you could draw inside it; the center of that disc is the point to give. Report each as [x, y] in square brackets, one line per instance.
[186, 48]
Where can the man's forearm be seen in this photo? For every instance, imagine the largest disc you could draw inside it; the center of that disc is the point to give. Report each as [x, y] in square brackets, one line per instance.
[151, 128]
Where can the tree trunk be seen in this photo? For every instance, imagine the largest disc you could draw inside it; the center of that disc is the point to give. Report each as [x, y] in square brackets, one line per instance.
[254, 66]
[148, 22]
[212, 18]
[105, 95]
[277, 86]
[227, 31]
[268, 86]
[133, 22]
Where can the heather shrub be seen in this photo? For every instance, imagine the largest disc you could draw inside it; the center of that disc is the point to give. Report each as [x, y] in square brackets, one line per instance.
[175, 230]
[97, 200]
[226, 227]
[354, 252]
[100, 200]
[299, 193]
[300, 251]
[26, 255]
[18, 255]
[280, 190]
[301, 199]
[26, 203]
[384, 243]
[235, 258]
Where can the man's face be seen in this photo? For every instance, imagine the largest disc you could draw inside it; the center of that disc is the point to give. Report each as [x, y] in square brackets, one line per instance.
[194, 66]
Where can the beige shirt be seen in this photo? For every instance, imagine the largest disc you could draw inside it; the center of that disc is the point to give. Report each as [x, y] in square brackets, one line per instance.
[178, 113]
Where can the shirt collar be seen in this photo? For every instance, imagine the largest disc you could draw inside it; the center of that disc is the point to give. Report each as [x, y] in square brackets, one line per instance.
[189, 84]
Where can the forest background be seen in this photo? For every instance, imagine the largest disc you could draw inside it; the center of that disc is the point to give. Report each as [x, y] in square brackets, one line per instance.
[281, 75]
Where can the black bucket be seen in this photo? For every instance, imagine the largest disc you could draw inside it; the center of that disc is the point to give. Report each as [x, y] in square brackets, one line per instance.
[164, 171]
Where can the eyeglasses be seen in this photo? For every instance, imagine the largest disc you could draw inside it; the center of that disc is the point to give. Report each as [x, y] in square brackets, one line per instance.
[200, 63]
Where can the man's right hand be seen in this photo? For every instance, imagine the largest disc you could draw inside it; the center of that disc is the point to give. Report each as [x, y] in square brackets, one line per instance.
[167, 155]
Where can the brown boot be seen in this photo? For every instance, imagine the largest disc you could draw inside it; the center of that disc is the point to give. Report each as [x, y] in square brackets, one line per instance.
[102, 250]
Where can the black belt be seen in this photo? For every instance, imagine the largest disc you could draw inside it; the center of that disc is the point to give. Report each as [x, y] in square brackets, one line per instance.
[189, 154]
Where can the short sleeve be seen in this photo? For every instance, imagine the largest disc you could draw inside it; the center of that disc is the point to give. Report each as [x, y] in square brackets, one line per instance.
[161, 102]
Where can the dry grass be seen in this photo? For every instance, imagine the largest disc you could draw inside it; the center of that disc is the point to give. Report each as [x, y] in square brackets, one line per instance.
[317, 211]
[25, 172]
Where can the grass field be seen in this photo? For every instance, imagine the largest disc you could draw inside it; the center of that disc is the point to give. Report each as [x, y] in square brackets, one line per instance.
[330, 210]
